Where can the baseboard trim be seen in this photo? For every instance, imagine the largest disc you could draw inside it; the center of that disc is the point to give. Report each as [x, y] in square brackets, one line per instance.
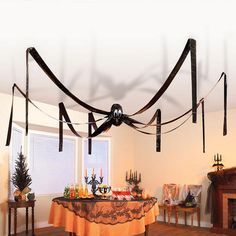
[37, 225]
[203, 224]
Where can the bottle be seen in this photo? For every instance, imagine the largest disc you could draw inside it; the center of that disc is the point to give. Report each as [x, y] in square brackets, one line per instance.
[76, 191]
[72, 192]
[81, 191]
[86, 191]
[66, 192]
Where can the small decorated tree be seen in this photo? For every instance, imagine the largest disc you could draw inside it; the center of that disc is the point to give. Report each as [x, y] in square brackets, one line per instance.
[21, 179]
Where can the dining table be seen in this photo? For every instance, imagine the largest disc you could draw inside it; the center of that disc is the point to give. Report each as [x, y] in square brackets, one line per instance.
[103, 217]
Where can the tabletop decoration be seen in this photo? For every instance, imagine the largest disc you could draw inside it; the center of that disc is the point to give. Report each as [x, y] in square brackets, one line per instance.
[66, 192]
[145, 194]
[21, 178]
[104, 189]
[76, 191]
[189, 201]
[121, 193]
[134, 181]
[218, 160]
[31, 196]
[93, 181]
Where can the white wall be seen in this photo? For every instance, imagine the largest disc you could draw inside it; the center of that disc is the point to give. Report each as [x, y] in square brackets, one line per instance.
[181, 159]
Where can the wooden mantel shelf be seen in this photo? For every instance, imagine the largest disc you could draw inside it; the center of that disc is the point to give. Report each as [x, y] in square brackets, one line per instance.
[223, 177]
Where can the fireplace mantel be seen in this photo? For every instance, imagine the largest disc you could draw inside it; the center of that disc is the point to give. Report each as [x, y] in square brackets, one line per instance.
[224, 183]
[223, 177]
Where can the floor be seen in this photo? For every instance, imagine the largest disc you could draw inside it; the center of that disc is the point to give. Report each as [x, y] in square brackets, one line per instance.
[156, 229]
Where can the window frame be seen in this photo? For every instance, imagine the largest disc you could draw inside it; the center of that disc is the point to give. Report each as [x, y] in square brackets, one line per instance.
[78, 158]
[109, 157]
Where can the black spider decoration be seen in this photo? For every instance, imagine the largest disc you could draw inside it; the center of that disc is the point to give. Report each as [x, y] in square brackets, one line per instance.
[115, 116]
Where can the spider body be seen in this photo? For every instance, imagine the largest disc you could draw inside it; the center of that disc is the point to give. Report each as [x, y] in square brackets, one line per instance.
[116, 114]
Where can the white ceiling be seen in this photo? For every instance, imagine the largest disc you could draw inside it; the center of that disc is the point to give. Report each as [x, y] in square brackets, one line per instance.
[109, 52]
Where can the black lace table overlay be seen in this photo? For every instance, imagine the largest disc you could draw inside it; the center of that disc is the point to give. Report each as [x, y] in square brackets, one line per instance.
[108, 211]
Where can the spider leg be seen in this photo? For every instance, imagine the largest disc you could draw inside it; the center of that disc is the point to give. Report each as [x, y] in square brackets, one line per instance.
[130, 124]
[102, 128]
[133, 120]
[190, 47]
[39, 60]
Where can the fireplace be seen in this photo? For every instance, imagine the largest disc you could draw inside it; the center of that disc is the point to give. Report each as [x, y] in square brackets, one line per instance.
[229, 211]
[224, 200]
[232, 213]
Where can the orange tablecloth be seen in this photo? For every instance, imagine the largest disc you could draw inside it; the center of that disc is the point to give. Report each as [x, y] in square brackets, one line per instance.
[130, 223]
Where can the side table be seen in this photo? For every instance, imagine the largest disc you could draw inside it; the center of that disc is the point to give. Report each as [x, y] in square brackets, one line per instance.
[21, 204]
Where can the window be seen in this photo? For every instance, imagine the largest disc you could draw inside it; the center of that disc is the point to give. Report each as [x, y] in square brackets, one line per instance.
[99, 159]
[50, 169]
[16, 145]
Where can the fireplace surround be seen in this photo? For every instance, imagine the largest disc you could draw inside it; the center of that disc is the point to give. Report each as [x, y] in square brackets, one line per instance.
[223, 200]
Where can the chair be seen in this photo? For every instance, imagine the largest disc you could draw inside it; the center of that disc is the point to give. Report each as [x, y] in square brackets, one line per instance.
[195, 192]
[170, 195]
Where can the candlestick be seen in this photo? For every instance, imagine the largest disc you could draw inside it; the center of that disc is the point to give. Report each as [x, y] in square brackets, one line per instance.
[217, 160]
[94, 183]
[134, 179]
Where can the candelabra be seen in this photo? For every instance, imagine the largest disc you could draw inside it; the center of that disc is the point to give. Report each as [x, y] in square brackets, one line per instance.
[134, 180]
[93, 182]
[217, 160]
